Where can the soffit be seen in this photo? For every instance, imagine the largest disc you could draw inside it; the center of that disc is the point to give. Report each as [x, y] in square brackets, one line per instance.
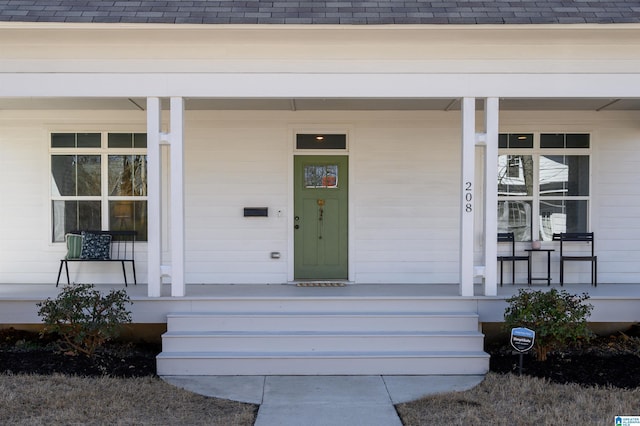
[351, 104]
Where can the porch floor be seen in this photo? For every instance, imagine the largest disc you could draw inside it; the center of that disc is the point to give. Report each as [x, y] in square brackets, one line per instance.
[612, 302]
[206, 291]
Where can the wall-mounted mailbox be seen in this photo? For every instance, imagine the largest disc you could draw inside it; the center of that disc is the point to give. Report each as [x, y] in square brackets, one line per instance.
[256, 211]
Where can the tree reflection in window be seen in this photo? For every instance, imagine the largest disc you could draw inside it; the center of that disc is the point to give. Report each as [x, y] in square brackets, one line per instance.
[321, 176]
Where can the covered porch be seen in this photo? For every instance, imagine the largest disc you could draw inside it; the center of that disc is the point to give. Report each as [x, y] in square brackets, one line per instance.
[476, 80]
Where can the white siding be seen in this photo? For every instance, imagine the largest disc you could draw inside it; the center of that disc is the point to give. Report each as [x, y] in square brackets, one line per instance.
[26, 252]
[406, 200]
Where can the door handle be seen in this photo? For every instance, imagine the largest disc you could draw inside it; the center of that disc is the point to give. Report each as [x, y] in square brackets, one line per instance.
[296, 227]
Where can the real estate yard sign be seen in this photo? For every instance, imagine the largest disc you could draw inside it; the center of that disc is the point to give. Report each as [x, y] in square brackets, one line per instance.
[522, 339]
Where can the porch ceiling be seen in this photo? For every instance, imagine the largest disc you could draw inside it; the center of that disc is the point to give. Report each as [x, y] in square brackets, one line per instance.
[354, 104]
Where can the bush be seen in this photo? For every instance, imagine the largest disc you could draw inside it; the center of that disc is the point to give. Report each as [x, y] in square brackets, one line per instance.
[84, 318]
[558, 318]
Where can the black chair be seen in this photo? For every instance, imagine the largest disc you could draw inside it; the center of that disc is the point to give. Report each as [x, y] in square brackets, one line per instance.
[575, 255]
[508, 237]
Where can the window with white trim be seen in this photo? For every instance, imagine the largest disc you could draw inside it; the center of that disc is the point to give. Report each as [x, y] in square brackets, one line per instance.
[543, 184]
[98, 181]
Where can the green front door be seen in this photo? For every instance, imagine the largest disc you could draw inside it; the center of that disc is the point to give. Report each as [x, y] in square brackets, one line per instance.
[321, 217]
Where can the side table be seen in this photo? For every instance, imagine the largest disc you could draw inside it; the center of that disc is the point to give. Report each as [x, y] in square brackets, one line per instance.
[548, 277]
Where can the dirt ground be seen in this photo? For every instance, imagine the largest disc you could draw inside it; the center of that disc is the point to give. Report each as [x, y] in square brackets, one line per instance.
[605, 361]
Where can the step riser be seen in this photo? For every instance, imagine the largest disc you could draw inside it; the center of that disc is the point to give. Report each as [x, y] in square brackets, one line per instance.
[321, 323]
[324, 366]
[323, 304]
[321, 343]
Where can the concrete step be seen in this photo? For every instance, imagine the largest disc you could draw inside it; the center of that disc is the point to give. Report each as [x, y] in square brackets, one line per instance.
[323, 363]
[305, 341]
[323, 303]
[322, 321]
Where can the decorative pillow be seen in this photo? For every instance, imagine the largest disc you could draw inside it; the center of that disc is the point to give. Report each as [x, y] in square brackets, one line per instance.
[95, 246]
[74, 246]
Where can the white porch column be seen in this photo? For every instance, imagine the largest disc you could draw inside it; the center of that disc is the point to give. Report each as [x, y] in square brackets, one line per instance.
[154, 253]
[176, 122]
[491, 109]
[467, 196]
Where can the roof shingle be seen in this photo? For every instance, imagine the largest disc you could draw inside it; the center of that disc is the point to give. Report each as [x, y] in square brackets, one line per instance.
[323, 12]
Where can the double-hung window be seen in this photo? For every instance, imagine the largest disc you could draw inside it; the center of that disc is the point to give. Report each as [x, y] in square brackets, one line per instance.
[543, 184]
[98, 181]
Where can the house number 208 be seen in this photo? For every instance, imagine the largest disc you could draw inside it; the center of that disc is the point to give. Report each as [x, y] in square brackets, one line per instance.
[468, 197]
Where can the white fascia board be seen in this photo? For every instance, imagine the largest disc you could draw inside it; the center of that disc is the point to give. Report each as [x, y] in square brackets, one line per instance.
[336, 66]
[288, 85]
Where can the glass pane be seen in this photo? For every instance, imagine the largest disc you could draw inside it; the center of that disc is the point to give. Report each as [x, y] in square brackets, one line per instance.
[515, 216]
[74, 215]
[89, 140]
[140, 175]
[89, 175]
[515, 175]
[120, 140]
[139, 140]
[502, 140]
[63, 140]
[549, 140]
[127, 175]
[578, 140]
[321, 141]
[562, 175]
[129, 215]
[521, 140]
[63, 175]
[562, 216]
[561, 140]
[89, 216]
[321, 176]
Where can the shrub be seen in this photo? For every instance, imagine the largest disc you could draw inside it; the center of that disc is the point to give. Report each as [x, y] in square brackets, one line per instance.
[85, 318]
[557, 317]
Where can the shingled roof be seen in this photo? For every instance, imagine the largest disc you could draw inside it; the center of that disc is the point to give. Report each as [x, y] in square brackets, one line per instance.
[323, 12]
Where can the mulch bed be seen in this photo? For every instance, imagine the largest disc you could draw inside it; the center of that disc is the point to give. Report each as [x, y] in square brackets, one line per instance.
[27, 352]
[605, 361]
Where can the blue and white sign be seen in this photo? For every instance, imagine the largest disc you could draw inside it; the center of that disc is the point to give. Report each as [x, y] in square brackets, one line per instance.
[627, 421]
[522, 339]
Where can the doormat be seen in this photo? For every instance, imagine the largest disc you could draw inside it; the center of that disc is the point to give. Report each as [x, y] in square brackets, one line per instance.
[320, 284]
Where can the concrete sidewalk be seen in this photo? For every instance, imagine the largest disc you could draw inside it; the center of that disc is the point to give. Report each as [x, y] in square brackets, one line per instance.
[324, 400]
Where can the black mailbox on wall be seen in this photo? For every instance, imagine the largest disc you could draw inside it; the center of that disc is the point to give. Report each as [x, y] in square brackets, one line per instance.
[256, 211]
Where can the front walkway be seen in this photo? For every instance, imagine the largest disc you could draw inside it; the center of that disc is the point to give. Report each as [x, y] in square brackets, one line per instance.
[324, 400]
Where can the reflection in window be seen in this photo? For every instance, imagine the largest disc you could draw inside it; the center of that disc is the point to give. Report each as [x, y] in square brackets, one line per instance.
[562, 216]
[515, 175]
[515, 216]
[564, 175]
[71, 215]
[75, 175]
[550, 184]
[129, 215]
[321, 176]
[83, 189]
[127, 175]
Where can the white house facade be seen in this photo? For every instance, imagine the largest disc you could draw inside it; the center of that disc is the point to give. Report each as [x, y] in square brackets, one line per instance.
[378, 157]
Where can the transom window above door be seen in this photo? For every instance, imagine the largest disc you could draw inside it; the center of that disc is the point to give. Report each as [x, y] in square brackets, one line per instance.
[322, 141]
